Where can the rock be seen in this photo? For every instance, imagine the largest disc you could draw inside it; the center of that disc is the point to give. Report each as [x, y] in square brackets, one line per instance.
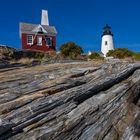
[6, 52]
[3, 63]
[137, 126]
[72, 101]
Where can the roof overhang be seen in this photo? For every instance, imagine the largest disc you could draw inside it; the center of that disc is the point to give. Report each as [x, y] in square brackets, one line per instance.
[39, 28]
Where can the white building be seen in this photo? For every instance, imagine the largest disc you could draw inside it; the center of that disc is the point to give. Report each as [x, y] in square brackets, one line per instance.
[107, 40]
[89, 52]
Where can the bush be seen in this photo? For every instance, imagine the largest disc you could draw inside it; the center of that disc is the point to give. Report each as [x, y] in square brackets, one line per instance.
[38, 55]
[120, 53]
[70, 49]
[28, 54]
[95, 55]
[136, 56]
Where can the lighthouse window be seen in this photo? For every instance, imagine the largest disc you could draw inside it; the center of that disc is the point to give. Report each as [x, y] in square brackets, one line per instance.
[105, 43]
[29, 39]
[48, 41]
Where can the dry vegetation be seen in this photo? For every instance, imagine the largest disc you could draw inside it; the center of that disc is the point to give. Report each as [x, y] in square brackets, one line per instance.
[22, 61]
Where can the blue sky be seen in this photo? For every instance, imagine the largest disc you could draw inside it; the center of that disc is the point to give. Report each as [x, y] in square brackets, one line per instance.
[80, 21]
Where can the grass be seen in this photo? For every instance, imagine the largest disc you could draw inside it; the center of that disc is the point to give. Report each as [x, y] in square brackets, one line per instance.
[22, 61]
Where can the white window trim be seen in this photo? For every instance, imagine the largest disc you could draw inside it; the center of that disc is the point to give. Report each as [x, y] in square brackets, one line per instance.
[38, 40]
[27, 40]
[46, 41]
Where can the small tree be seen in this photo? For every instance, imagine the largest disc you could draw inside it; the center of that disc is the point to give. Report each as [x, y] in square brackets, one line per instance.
[70, 49]
[120, 53]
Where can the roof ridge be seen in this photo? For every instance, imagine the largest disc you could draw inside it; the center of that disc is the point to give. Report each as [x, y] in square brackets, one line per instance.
[28, 23]
[37, 24]
[29, 27]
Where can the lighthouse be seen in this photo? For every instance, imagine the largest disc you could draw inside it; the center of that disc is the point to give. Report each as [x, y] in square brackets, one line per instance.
[107, 40]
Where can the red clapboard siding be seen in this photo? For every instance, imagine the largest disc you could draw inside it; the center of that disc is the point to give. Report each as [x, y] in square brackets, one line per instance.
[44, 47]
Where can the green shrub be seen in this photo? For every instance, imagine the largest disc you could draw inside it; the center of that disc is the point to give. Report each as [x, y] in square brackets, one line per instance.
[28, 54]
[71, 50]
[136, 56]
[38, 55]
[120, 53]
[95, 55]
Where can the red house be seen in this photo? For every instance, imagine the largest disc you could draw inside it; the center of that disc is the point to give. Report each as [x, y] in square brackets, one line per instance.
[40, 37]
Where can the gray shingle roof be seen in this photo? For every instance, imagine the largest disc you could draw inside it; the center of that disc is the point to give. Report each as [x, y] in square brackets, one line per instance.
[27, 28]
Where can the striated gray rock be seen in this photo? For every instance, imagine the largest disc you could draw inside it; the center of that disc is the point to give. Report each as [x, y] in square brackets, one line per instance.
[71, 101]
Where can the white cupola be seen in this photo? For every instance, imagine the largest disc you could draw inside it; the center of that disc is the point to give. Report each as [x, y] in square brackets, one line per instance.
[107, 40]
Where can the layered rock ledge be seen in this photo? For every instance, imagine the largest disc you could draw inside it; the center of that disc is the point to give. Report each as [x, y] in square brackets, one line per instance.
[71, 101]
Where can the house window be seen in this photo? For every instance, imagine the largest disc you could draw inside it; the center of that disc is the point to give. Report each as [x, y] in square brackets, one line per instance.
[29, 39]
[48, 41]
[39, 40]
[105, 43]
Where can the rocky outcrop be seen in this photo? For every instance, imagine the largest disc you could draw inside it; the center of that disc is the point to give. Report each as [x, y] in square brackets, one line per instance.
[75, 101]
[6, 52]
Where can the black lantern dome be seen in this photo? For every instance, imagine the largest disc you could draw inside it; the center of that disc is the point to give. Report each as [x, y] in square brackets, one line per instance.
[107, 30]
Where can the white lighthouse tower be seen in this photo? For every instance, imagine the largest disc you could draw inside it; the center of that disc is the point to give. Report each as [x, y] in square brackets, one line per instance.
[107, 40]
